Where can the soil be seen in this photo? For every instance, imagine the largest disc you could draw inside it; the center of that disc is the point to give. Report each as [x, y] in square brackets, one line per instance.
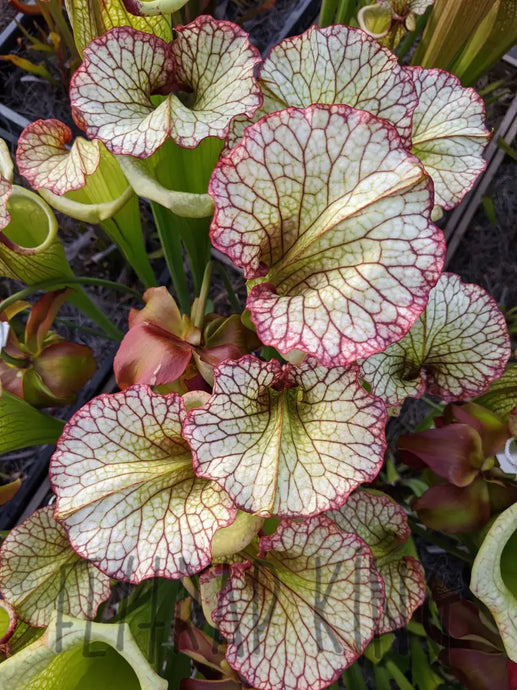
[7, 14]
[268, 21]
[487, 254]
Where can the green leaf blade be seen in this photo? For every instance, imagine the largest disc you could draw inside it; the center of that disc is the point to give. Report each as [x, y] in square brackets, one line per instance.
[21, 425]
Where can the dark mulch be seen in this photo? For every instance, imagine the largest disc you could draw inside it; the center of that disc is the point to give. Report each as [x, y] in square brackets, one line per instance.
[487, 254]
[7, 13]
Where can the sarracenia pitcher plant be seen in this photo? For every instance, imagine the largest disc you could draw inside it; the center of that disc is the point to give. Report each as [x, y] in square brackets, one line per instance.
[236, 455]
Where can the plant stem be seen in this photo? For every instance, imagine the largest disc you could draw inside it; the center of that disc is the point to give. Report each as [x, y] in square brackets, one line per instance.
[353, 678]
[435, 406]
[172, 249]
[58, 283]
[397, 675]
[200, 304]
[234, 300]
[345, 11]
[327, 12]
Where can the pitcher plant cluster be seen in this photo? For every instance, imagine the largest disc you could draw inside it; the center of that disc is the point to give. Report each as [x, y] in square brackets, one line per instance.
[241, 452]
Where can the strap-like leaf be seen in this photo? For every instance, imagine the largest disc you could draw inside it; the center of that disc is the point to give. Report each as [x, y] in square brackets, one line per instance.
[338, 64]
[40, 572]
[126, 490]
[9, 491]
[329, 214]
[449, 133]
[212, 61]
[296, 618]
[287, 440]
[456, 348]
[22, 426]
[44, 160]
[383, 525]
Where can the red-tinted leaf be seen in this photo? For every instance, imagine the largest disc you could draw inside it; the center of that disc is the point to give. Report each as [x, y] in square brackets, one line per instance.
[160, 309]
[448, 134]
[305, 611]
[45, 162]
[149, 354]
[512, 675]
[126, 490]
[501, 397]
[287, 440]
[11, 379]
[338, 64]
[383, 525]
[40, 572]
[478, 670]
[492, 430]
[196, 644]
[65, 367]
[211, 60]
[453, 452]
[328, 215]
[41, 318]
[454, 509]
[462, 620]
[458, 346]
